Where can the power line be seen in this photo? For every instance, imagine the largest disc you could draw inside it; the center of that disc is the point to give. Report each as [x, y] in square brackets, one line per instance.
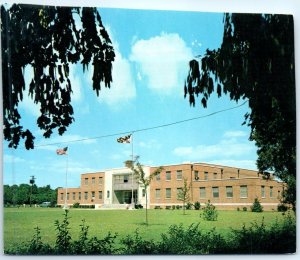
[144, 129]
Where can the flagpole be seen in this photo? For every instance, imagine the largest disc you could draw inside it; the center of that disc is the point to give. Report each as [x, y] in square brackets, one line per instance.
[132, 202]
[67, 164]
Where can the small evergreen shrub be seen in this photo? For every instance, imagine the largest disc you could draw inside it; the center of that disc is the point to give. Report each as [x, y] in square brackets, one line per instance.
[245, 209]
[173, 207]
[189, 206]
[177, 207]
[256, 207]
[282, 208]
[76, 205]
[238, 209]
[209, 212]
[197, 205]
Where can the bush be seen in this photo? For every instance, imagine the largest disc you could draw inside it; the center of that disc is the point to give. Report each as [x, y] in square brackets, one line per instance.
[209, 212]
[280, 238]
[282, 207]
[173, 207]
[177, 207]
[245, 209]
[76, 205]
[256, 207]
[258, 239]
[238, 209]
[190, 240]
[138, 206]
[197, 205]
[189, 206]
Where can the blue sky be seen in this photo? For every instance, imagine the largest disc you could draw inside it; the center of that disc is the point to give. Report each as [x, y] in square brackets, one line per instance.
[153, 49]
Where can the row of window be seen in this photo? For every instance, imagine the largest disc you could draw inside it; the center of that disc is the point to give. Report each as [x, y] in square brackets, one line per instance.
[169, 176]
[216, 193]
[179, 175]
[93, 181]
[77, 196]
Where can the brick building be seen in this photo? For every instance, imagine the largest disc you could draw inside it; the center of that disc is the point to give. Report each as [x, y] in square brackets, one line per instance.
[226, 187]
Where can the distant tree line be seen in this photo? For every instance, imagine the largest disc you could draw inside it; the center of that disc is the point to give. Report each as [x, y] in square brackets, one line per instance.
[28, 194]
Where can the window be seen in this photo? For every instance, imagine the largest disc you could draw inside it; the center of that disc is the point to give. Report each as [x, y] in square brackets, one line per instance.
[86, 181]
[196, 175]
[205, 175]
[158, 177]
[271, 192]
[86, 196]
[93, 195]
[263, 192]
[243, 191]
[61, 196]
[168, 176]
[143, 192]
[79, 195]
[179, 175]
[229, 192]
[126, 178]
[215, 175]
[157, 193]
[100, 180]
[179, 190]
[73, 196]
[107, 194]
[215, 191]
[100, 195]
[93, 180]
[202, 192]
[168, 193]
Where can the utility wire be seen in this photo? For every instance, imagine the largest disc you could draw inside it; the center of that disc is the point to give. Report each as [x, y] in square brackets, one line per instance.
[145, 129]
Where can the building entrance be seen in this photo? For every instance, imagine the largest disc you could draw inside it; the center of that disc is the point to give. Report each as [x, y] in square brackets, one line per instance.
[124, 197]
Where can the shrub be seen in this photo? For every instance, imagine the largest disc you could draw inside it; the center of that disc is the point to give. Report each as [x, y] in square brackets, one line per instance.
[256, 206]
[209, 212]
[190, 240]
[282, 207]
[258, 239]
[197, 205]
[245, 209]
[238, 209]
[173, 207]
[76, 205]
[189, 206]
[137, 245]
[138, 206]
[177, 207]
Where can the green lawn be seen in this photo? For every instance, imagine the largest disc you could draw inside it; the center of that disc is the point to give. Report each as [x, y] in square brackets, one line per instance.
[19, 223]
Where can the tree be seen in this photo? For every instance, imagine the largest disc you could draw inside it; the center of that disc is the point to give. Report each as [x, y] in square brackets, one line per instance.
[48, 39]
[256, 62]
[142, 177]
[256, 206]
[184, 194]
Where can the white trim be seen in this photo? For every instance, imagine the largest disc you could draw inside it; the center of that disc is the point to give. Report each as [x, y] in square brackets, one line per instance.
[216, 204]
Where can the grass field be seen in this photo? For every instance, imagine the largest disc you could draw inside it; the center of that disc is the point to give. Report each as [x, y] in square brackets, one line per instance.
[19, 223]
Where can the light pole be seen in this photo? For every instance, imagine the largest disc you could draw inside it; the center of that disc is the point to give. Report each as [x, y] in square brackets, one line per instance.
[31, 181]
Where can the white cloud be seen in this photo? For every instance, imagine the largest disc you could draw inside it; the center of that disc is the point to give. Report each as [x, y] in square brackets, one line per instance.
[244, 164]
[233, 134]
[28, 104]
[163, 60]
[150, 144]
[122, 88]
[228, 148]
[12, 159]
[76, 83]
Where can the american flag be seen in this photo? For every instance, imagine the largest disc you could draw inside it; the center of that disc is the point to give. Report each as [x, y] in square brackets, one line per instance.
[62, 151]
[125, 139]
